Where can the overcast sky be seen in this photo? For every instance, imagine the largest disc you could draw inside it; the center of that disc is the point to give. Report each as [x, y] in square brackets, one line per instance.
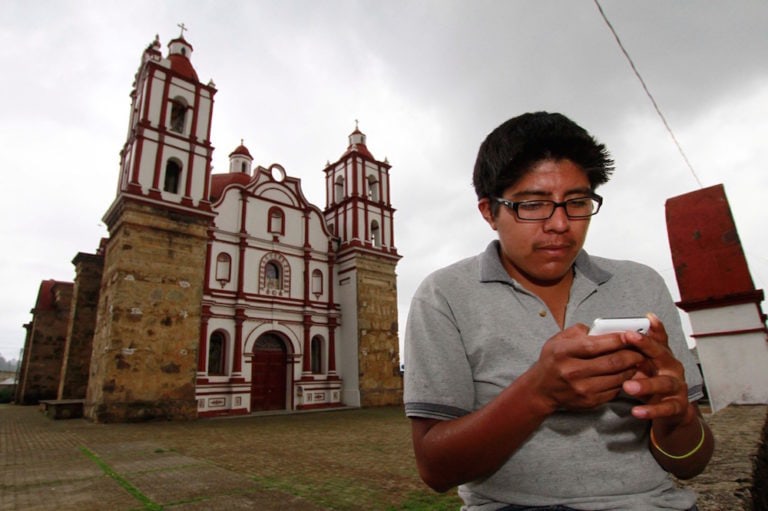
[427, 81]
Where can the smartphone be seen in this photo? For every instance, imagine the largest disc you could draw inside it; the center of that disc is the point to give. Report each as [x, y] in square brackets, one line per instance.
[610, 325]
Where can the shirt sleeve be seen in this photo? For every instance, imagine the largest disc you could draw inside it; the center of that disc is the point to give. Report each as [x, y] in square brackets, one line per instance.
[438, 377]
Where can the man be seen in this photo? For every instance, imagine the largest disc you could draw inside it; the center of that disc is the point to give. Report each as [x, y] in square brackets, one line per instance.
[508, 395]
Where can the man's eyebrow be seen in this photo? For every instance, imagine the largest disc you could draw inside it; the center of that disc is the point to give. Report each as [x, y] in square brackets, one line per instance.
[543, 193]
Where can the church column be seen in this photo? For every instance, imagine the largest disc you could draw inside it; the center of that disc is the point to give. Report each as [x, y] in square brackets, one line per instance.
[306, 367]
[202, 350]
[332, 324]
[237, 356]
[242, 245]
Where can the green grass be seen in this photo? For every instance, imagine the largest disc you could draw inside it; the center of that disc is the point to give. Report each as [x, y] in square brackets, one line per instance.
[135, 492]
[420, 501]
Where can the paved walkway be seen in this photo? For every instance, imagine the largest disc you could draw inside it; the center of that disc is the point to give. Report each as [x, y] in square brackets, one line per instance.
[75, 465]
[208, 464]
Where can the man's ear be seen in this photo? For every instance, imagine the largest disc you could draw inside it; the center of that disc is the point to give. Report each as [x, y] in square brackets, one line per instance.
[484, 206]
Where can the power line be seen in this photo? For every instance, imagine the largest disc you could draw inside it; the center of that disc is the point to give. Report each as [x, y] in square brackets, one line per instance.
[648, 93]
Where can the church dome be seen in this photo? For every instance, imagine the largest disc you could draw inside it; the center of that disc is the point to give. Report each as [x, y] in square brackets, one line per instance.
[357, 144]
[180, 51]
[241, 150]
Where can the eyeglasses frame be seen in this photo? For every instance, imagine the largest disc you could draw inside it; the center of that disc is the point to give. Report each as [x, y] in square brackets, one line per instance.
[514, 205]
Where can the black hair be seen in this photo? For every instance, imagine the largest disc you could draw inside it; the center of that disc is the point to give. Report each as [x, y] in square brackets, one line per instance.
[518, 144]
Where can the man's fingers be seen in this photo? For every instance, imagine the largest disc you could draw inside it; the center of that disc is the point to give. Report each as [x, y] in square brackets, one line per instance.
[665, 408]
[657, 385]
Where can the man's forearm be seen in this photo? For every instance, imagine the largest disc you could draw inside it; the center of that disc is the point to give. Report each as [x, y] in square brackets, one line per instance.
[683, 449]
[457, 451]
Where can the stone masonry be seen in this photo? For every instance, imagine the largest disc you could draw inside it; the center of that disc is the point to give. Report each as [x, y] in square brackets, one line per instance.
[735, 479]
[79, 344]
[44, 349]
[145, 346]
[380, 380]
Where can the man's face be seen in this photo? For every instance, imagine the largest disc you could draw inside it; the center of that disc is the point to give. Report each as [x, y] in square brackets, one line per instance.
[541, 252]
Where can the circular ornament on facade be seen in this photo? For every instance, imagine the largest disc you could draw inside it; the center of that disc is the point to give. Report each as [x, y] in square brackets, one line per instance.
[277, 172]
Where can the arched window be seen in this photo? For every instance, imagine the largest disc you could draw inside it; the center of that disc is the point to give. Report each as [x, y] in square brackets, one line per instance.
[317, 282]
[375, 234]
[172, 176]
[244, 168]
[276, 221]
[373, 188]
[216, 354]
[272, 277]
[178, 115]
[338, 189]
[223, 268]
[316, 354]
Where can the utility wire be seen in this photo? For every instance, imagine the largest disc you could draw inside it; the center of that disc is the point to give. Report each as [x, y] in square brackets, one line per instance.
[648, 93]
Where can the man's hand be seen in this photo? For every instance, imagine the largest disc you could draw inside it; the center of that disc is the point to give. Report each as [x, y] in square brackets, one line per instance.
[576, 371]
[660, 380]
[681, 441]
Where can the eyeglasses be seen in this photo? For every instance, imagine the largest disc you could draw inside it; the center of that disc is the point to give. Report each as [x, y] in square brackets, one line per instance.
[579, 207]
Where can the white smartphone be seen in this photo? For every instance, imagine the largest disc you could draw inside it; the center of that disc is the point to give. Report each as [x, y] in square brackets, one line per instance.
[611, 325]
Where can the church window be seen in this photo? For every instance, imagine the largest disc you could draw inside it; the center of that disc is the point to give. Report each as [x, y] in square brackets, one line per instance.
[244, 167]
[316, 354]
[223, 268]
[276, 221]
[338, 189]
[216, 354]
[375, 234]
[272, 276]
[172, 176]
[373, 188]
[317, 282]
[178, 115]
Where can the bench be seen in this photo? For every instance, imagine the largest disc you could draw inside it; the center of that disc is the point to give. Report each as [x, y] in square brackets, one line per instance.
[62, 408]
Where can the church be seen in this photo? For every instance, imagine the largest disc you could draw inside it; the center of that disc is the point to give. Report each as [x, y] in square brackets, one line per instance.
[221, 294]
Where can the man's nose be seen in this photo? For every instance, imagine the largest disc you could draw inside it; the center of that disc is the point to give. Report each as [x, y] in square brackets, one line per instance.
[559, 220]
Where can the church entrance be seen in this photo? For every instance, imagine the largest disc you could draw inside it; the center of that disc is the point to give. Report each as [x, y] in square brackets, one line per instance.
[269, 370]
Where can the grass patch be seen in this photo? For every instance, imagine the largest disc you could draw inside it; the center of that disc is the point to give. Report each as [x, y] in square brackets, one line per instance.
[424, 501]
[127, 486]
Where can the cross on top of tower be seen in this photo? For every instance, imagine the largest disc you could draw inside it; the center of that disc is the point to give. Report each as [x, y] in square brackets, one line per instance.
[183, 29]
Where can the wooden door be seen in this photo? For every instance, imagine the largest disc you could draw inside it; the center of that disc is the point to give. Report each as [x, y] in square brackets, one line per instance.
[268, 380]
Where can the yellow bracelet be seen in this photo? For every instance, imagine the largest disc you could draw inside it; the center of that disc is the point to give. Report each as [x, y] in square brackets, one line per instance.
[682, 456]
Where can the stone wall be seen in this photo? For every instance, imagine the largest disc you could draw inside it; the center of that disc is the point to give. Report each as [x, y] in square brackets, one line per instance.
[760, 474]
[379, 357]
[44, 347]
[147, 334]
[735, 479]
[82, 321]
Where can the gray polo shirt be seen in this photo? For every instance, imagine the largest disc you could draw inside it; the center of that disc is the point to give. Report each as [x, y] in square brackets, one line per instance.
[472, 330]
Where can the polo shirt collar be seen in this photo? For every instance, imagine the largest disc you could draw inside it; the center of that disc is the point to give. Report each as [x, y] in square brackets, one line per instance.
[491, 269]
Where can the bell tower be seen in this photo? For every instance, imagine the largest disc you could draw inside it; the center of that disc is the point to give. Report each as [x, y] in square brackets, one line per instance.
[146, 337]
[359, 213]
[167, 155]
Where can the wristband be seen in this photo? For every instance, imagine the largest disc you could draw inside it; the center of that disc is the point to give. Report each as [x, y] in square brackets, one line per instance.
[682, 456]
